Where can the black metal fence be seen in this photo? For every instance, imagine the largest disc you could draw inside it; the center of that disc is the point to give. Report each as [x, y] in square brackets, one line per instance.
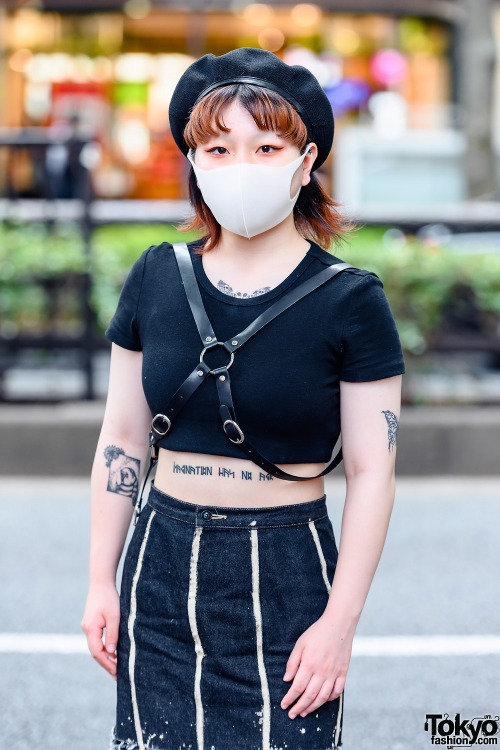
[68, 195]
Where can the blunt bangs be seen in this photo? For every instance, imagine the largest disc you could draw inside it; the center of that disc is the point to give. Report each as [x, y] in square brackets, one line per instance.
[269, 110]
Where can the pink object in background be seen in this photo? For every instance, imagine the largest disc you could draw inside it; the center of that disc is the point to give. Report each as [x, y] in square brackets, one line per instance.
[388, 66]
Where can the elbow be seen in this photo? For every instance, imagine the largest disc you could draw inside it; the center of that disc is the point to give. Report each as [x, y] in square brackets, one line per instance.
[129, 434]
[381, 476]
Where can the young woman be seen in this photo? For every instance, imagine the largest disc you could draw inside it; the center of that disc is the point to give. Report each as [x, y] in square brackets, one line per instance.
[235, 620]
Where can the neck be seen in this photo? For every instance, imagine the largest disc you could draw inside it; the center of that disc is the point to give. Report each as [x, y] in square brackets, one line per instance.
[277, 244]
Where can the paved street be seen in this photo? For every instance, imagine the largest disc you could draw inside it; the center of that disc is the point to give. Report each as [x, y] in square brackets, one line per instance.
[439, 575]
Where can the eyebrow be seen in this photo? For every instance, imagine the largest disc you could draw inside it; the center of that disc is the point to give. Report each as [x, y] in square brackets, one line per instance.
[257, 137]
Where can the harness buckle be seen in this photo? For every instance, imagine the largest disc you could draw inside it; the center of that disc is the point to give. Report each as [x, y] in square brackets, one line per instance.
[166, 421]
[237, 428]
[218, 343]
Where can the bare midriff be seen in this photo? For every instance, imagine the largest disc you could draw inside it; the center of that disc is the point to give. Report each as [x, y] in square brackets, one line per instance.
[207, 479]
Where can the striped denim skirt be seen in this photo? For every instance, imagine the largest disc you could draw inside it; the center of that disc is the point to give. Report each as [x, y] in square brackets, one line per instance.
[212, 602]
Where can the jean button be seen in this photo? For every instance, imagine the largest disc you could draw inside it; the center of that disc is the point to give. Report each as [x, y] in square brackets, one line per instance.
[206, 515]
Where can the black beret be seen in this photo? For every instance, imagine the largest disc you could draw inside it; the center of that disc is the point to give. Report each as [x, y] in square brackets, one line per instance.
[251, 65]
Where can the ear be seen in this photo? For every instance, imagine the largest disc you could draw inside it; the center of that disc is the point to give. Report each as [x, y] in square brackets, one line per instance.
[312, 153]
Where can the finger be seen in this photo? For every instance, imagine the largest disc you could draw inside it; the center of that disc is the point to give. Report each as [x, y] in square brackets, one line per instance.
[293, 663]
[332, 695]
[108, 665]
[94, 639]
[96, 648]
[307, 697]
[111, 638]
[106, 662]
[321, 698]
[337, 688]
[297, 687]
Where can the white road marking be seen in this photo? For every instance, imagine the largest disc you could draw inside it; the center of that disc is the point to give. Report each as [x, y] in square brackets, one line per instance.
[43, 643]
[387, 645]
[426, 645]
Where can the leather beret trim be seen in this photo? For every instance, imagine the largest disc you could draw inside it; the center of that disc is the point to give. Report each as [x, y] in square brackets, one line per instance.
[256, 82]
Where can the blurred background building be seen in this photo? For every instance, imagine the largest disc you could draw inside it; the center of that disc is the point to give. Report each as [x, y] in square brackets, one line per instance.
[394, 71]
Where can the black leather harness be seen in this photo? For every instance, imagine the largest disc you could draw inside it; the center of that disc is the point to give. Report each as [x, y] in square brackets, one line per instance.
[162, 423]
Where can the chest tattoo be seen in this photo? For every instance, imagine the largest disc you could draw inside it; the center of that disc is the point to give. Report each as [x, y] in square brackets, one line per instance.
[227, 289]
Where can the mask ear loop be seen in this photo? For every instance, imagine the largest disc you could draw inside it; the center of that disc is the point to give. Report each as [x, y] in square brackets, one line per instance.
[302, 156]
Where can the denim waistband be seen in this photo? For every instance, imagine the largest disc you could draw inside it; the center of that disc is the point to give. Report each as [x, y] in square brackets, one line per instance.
[229, 517]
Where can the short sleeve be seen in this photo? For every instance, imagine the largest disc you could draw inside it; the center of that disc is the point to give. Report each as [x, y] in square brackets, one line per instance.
[371, 348]
[123, 328]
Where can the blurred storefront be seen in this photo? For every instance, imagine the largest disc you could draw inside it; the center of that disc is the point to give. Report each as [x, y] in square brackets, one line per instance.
[108, 69]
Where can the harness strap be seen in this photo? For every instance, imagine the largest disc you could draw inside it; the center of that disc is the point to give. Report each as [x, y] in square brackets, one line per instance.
[193, 293]
[236, 435]
[198, 309]
[162, 423]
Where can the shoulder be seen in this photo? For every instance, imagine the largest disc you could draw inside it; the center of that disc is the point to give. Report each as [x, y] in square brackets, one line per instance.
[352, 277]
[158, 252]
[157, 259]
[164, 251]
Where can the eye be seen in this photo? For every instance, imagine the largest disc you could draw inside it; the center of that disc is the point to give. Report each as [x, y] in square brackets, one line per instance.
[217, 150]
[267, 146]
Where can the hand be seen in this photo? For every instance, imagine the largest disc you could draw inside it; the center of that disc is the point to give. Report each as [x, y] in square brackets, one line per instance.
[102, 610]
[318, 663]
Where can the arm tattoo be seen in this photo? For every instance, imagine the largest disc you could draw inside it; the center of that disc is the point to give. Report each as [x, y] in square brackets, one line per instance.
[124, 472]
[393, 427]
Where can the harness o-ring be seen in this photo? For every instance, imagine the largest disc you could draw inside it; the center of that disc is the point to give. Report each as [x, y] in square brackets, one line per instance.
[218, 343]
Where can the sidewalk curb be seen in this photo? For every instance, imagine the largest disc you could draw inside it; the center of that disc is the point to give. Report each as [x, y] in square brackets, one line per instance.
[60, 440]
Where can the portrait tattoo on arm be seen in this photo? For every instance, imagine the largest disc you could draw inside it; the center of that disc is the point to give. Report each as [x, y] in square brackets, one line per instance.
[124, 472]
[393, 427]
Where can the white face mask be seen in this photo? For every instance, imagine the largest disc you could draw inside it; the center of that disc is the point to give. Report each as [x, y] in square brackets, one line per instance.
[248, 199]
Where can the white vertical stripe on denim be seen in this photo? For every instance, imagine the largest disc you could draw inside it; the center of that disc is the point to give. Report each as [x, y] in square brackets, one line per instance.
[193, 585]
[131, 622]
[266, 707]
[322, 560]
[321, 556]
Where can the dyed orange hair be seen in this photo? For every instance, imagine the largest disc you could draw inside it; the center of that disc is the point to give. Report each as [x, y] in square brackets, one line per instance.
[315, 212]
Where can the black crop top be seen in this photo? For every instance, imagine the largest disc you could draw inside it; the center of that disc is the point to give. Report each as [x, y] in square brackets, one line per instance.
[284, 380]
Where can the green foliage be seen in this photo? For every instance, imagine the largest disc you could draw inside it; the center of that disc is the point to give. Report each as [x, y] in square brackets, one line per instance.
[33, 250]
[114, 250]
[419, 278]
[33, 254]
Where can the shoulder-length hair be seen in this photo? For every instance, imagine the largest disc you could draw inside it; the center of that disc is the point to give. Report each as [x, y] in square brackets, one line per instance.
[315, 212]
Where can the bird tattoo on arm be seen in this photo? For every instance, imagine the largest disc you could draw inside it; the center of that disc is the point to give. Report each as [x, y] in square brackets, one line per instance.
[392, 428]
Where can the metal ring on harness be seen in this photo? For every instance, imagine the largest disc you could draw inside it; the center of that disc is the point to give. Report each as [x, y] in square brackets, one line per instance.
[165, 418]
[219, 343]
[237, 427]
